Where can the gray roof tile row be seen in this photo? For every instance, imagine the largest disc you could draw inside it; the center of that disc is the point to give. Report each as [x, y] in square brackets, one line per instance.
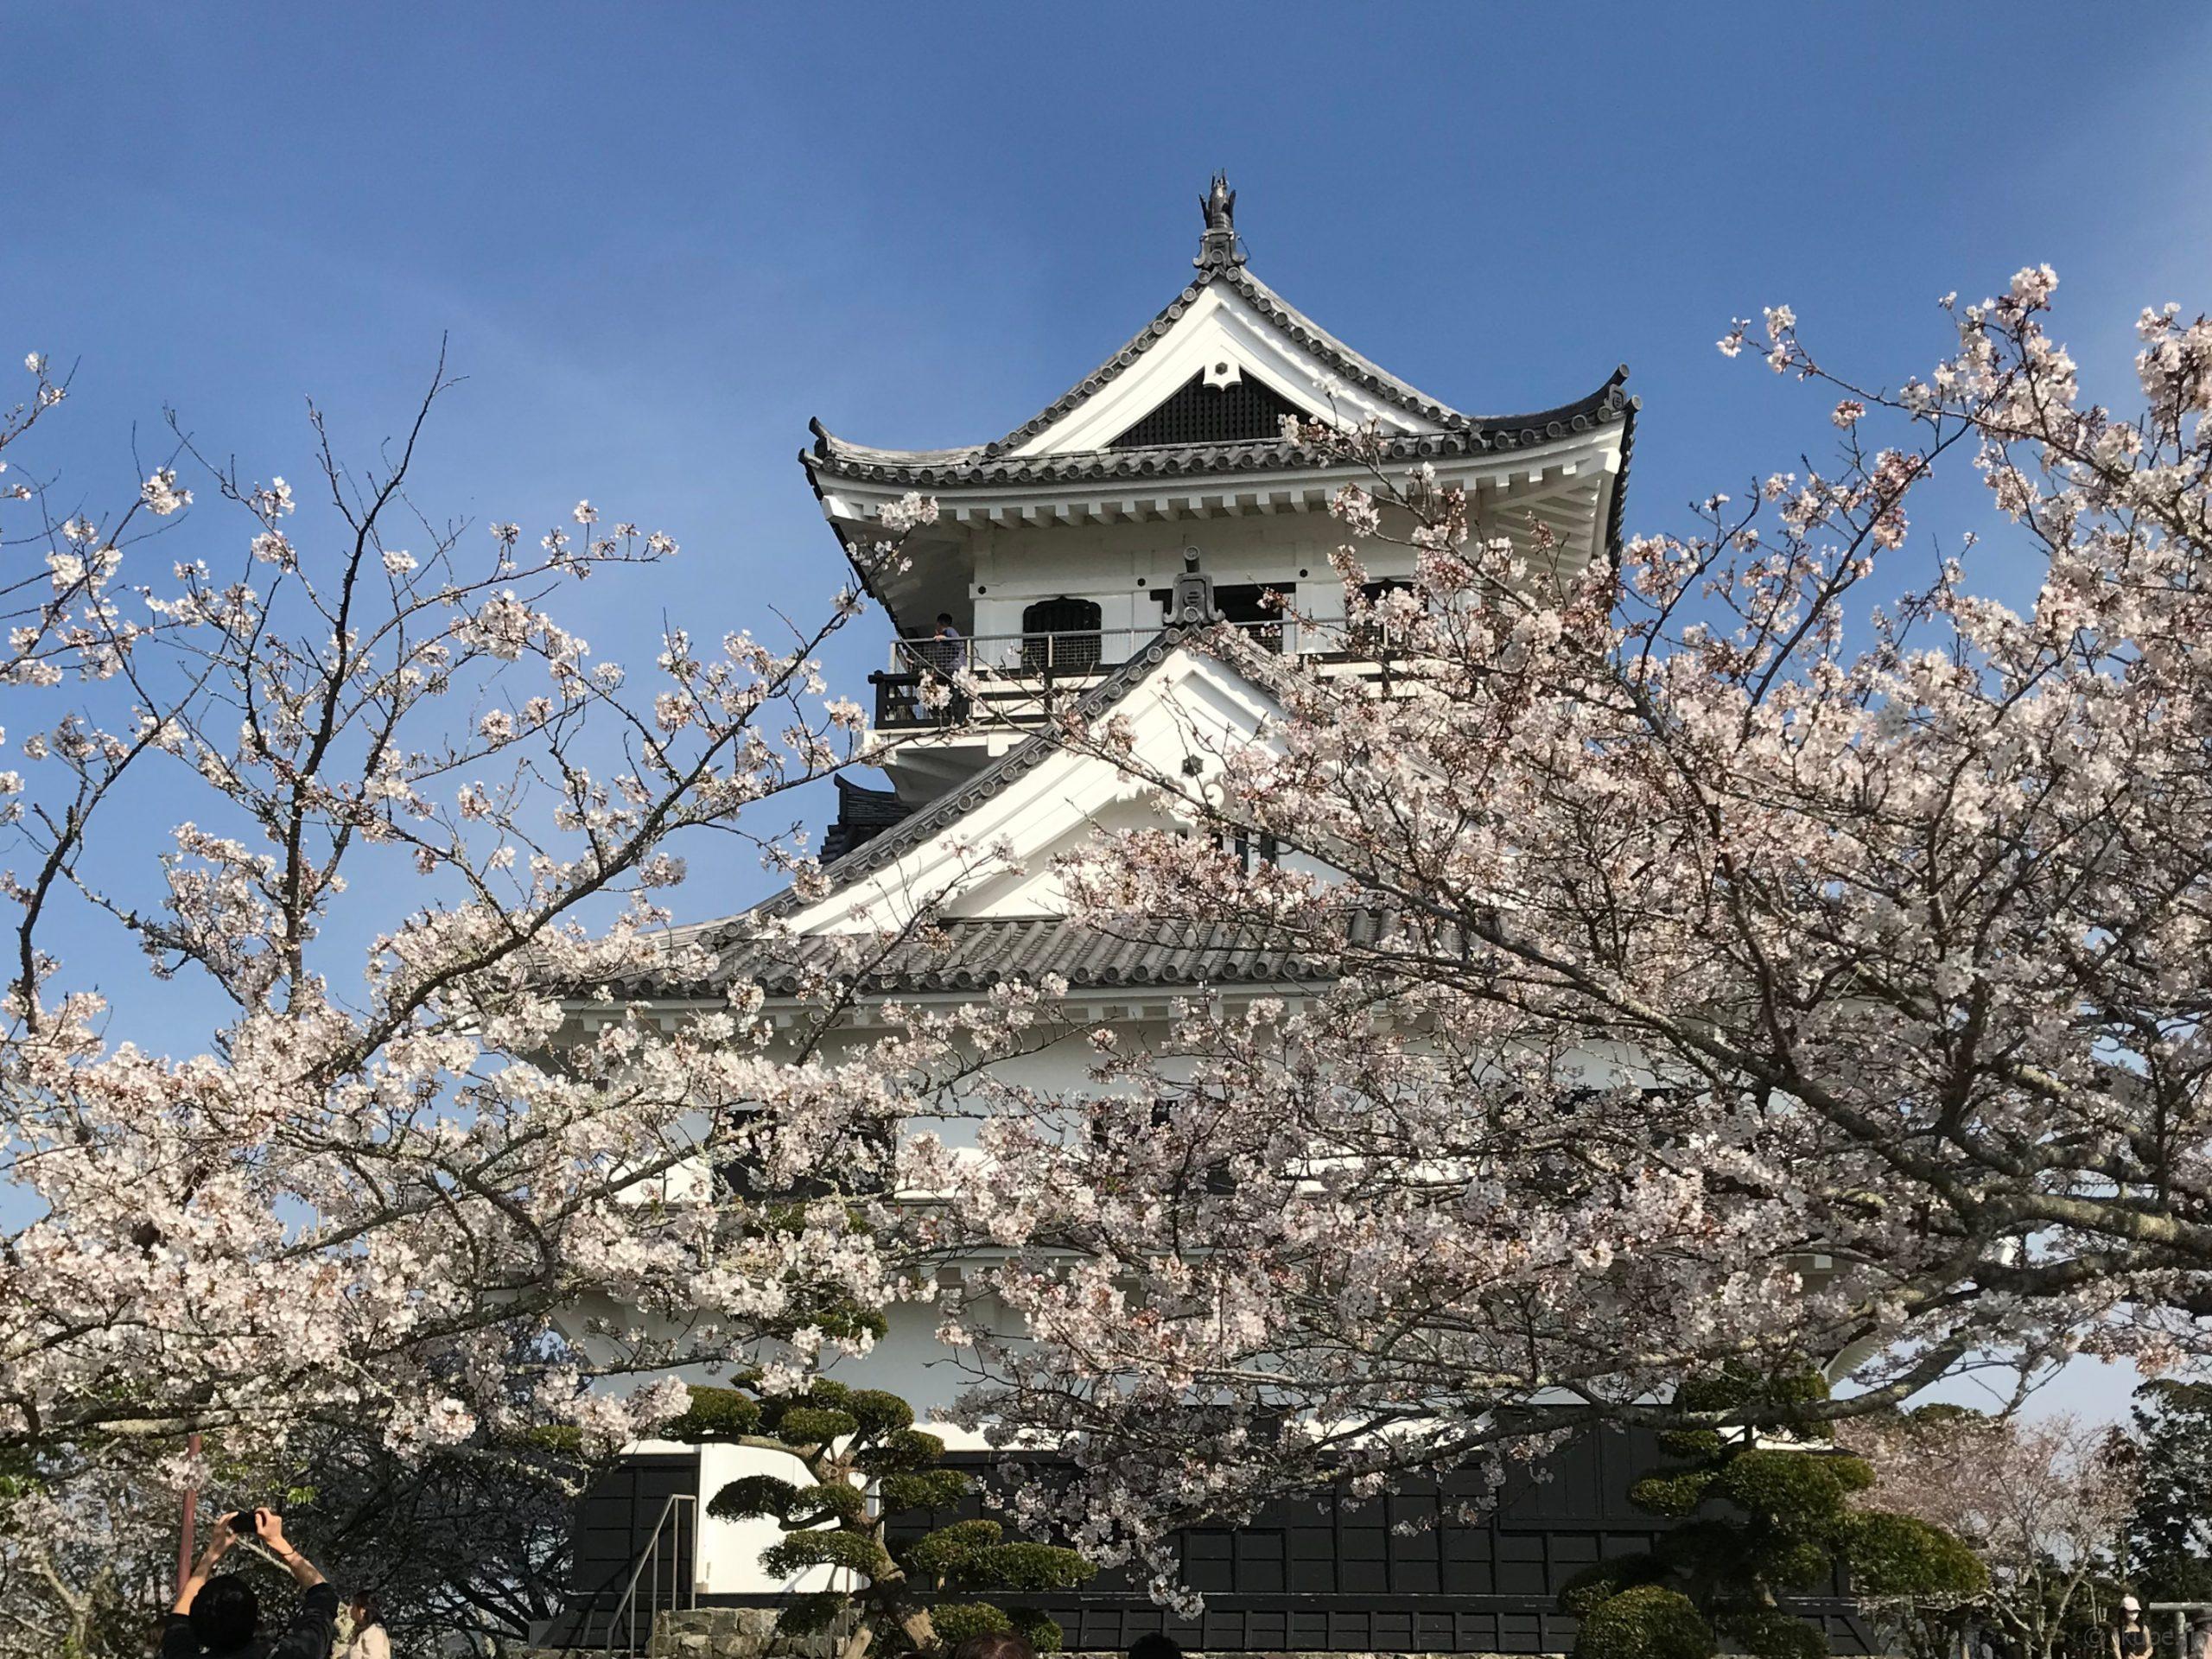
[974, 955]
[941, 469]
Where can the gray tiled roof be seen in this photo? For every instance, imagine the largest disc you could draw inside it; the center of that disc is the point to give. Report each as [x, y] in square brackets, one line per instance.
[943, 468]
[967, 954]
[746, 948]
[975, 954]
[994, 463]
[862, 815]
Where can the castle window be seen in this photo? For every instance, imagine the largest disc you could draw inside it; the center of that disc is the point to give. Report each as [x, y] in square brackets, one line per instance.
[1373, 635]
[1060, 636]
[1256, 608]
[1241, 844]
[861, 1166]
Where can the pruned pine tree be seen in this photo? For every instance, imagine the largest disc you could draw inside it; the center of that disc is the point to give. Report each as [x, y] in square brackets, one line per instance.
[872, 1478]
[1758, 1524]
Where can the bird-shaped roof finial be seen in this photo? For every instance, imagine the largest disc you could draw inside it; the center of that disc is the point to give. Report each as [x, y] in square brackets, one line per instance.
[1218, 246]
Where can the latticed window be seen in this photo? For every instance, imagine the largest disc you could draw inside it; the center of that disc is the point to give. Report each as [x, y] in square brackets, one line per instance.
[1060, 636]
[1240, 412]
[1372, 635]
[861, 1168]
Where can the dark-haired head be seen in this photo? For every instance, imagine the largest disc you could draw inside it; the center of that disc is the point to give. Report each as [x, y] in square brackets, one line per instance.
[367, 1610]
[1154, 1644]
[225, 1614]
[995, 1644]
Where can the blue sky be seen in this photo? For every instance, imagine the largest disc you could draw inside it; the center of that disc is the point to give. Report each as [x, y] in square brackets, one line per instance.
[661, 237]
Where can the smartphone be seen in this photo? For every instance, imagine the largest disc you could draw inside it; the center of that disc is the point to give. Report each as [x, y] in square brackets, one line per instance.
[242, 1523]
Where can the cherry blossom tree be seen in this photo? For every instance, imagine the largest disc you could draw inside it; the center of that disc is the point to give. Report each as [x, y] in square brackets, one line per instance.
[2045, 1505]
[1765, 947]
[1769, 946]
[338, 772]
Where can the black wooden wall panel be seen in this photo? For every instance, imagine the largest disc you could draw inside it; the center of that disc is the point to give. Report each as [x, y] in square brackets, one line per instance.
[1321, 1572]
[615, 1519]
[1407, 1572]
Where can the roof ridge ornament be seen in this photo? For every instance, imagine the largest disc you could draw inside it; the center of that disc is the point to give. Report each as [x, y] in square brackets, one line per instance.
[1218, 249]
[1193, 591]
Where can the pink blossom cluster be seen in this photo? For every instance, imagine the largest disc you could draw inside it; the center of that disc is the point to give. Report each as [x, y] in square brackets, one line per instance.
[379, 804]
[1748, 950]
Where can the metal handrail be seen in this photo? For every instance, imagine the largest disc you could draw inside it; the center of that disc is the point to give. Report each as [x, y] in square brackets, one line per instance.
[649, 1558]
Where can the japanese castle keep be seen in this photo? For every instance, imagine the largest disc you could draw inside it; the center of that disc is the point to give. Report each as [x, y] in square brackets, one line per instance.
[1160, 482]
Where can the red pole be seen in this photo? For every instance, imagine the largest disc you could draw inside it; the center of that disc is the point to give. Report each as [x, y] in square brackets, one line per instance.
[191, 1514]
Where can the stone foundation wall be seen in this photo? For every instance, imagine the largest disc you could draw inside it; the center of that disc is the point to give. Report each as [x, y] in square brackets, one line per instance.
[733, 1633]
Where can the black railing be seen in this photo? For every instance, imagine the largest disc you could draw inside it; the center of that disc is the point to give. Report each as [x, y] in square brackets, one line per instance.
[1010, 672]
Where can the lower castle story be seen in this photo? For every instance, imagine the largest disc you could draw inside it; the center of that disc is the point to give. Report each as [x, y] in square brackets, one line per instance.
[1405, 1573]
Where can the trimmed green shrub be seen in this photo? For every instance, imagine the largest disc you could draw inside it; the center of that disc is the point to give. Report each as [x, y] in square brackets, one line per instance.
[1647, 1621]
[755, 1495]
[846, 1439]
[1901, 1555]
[715, 1415]
[1041, 1633]
[957, 1622]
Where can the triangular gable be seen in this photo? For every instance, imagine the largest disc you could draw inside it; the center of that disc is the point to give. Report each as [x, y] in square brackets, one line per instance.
[1036, 802]
[1205, 409]
[1227, 328]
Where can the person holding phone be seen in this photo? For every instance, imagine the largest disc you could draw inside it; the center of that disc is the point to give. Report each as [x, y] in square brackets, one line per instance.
[223, 1616]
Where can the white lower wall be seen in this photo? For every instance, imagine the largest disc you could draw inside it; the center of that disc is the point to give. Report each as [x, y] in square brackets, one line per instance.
[908, 1362]
[729, 1551]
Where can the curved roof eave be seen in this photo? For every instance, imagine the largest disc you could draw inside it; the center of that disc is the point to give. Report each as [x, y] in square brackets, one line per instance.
[977, 466]
[942, 466]
[1614, 509]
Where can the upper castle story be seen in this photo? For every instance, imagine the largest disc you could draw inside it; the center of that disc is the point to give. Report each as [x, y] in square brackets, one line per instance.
[1056, 548]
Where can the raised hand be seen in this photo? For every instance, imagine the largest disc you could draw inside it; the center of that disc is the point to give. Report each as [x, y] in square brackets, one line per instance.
[222, 1539]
